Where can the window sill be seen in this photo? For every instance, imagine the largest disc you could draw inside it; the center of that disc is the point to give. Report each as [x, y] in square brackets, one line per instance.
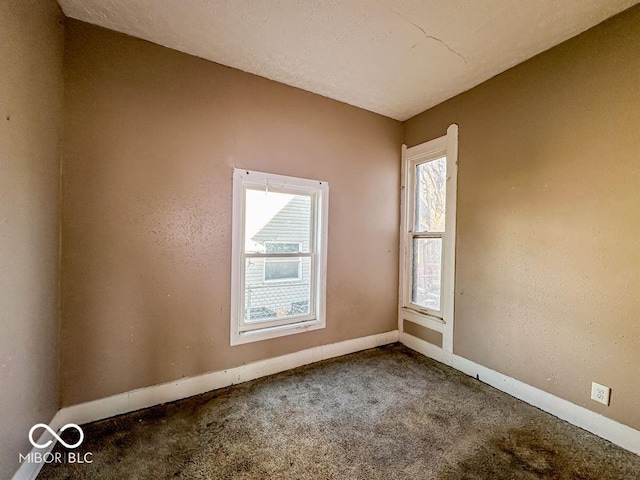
[240, 338]
[424, 319]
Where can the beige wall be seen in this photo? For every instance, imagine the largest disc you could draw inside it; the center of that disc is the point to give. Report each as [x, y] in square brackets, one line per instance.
[31, 49]
[151, 136]
[548, 252]
[423, 333]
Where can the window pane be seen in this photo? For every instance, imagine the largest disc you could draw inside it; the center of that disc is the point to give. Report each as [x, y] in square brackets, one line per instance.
[282, 247]
[281, 269]
[431, 194]
[272, 292]
[427, 265]
[276, 222]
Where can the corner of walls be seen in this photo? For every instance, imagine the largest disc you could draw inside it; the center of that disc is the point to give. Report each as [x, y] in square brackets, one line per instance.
[31, 102]
[185, 387]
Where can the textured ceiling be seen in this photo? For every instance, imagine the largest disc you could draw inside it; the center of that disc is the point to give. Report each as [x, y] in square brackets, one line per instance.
[393, 57]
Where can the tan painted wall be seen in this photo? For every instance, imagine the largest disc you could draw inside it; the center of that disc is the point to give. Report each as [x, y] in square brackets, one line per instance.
[151, 138]
[31, 91]
[423, 333]
[548, 252]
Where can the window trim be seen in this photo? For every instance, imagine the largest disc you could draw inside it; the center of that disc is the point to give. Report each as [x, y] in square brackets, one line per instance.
[441, 321]
[244, 179]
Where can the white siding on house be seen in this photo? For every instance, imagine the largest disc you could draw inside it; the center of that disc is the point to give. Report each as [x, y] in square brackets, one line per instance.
[270, 299]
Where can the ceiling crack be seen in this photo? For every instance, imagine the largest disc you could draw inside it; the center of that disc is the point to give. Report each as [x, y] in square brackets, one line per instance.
[424, 32]
[431, 37]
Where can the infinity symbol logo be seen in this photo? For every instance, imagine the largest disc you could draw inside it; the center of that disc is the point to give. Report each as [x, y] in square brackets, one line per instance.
[55, 435]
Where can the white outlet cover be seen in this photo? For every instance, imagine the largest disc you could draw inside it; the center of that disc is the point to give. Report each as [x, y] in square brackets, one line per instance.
[600, 393]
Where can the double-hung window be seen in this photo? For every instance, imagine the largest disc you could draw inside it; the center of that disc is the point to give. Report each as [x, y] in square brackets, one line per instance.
[279, 255]
[428, 235]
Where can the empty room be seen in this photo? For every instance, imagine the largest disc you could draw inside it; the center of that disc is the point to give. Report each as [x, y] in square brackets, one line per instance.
[319, 239]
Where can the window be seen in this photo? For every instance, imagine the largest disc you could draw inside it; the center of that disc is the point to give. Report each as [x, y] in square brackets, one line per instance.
[428, 234]
[429, 201]
[279, 255]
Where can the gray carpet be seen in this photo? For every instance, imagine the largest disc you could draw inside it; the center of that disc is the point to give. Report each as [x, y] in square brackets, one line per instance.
[384, 413]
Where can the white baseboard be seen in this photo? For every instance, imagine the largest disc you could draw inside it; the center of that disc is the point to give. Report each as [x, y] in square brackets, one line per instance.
[186, 387]
[622, 435]
[30, 470]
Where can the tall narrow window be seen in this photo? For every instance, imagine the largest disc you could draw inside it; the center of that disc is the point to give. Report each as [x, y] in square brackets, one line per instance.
[279, 255]
[430, 203]
[428, 234]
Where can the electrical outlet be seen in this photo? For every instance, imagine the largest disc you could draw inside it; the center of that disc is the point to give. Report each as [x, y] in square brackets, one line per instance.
[600, 393]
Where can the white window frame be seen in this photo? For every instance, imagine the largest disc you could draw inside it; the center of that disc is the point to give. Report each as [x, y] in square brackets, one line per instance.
[244, 332]
[442, 320]
[281, 280]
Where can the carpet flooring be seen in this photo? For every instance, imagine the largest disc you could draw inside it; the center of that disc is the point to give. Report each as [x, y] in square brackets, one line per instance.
[385, 413]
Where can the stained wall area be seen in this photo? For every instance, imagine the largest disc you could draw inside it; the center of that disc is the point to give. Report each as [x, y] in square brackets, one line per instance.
[151, 137]
[31, 96]
[548, 249]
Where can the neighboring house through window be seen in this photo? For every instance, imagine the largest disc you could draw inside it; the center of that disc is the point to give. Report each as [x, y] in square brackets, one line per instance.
[282, 269]
[279, 255]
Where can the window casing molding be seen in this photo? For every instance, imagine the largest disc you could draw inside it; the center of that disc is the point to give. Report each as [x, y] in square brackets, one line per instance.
[439, 320]
[245, 330]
